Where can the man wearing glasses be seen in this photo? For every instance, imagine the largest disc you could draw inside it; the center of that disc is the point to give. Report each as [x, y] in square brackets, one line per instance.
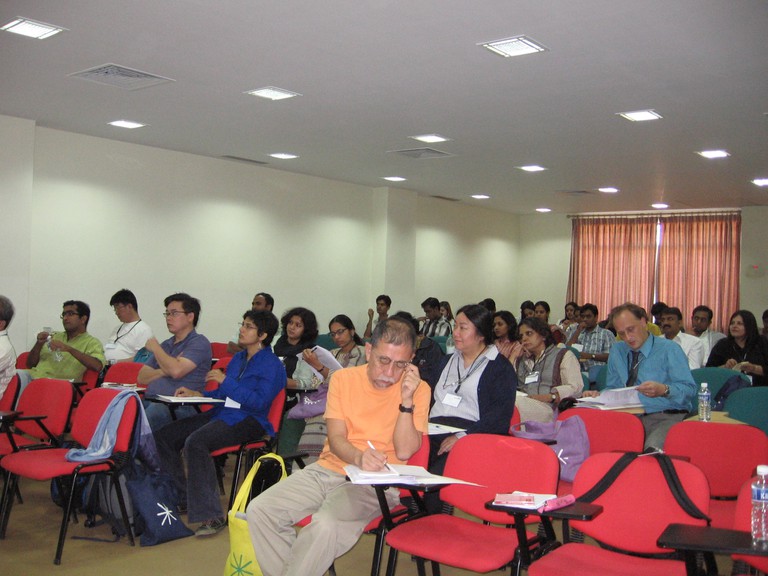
[65, 355]
[376, 413]
[182, 360]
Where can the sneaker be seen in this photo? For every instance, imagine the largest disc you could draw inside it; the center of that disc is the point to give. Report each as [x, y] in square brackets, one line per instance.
[211, 527]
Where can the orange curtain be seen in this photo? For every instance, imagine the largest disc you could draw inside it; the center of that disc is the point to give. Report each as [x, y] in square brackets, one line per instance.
[699, 264]
[613, 260]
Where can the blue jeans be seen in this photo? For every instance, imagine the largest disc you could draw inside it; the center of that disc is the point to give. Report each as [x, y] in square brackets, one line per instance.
[159, 414]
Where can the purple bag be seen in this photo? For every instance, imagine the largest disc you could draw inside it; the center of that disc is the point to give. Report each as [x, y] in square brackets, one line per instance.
[571, 443]
[310, 404]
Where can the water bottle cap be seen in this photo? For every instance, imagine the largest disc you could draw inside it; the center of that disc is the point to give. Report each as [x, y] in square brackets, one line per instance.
[704, 385]
[762, 470]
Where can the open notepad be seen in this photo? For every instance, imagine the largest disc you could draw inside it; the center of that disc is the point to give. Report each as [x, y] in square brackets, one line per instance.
[399, 474]
[527, 500]
[613, 399]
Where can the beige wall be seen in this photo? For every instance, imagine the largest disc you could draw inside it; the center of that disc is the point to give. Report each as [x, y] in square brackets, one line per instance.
[84, 217]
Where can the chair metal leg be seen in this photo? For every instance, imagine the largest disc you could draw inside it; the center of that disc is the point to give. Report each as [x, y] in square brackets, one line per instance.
[235, 479]
[7, 502]
[123, 510]
[65, 520]
[378, 551]
[392, 562]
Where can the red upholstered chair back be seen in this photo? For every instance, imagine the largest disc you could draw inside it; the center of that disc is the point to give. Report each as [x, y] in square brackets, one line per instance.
[46, 397]
[221, 363]
[21, 361]
[499, 464]
[89, 411]
[11, 394]
[123, 373]
[219, 350]
[727, 453]
[638, 506]
[515, 418]
[275, 415]
[91, 378]
[610, 430]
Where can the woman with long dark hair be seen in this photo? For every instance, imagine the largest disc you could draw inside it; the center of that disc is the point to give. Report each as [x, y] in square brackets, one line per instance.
[743, 349]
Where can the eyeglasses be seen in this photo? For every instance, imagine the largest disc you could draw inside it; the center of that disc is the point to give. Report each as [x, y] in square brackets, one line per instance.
[339, 332]
[173, 313]
[386, 361]
[247, 326]
[68, 313]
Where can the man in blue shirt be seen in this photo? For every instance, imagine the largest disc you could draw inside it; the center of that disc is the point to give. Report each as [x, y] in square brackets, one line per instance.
[657, 366]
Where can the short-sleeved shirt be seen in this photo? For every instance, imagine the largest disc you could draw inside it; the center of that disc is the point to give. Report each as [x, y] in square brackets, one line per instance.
[69, 367]
[7, 361]
[596, 341]
[369, 413]
[126, 339]
[194, 347]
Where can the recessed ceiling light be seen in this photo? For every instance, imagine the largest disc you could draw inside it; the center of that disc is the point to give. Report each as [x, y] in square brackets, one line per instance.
[394, 178]
[608, 190]
[515, 46]
[543, 210]
[283, 156]
[713, 154]
[272, 93]
[430, 138]
[126, 124]
[480, 196]
[760, 181]
[640, 115]
[32, 29]
[660, 206]
[532, 168]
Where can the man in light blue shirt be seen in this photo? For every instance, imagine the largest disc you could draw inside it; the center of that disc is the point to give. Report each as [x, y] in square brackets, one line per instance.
[657, 366]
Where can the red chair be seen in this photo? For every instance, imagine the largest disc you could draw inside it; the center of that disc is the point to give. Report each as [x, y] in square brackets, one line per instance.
[498, 464]
[743, 521]
[608, 431]
[275, 417]
[123, 373]
[51, 463]
[219, 350]
[727, 454]
[21, 361]
[10, 395]
[637, 507]
[221, 363]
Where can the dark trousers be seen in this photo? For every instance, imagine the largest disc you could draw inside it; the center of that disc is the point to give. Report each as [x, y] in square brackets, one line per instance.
[195, 437]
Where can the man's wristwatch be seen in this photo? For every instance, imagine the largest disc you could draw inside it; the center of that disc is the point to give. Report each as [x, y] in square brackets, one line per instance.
[554, 397]
[406, 410]
[666, 391]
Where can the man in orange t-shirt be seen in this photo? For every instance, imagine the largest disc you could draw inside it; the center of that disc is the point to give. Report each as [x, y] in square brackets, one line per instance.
[384, 403]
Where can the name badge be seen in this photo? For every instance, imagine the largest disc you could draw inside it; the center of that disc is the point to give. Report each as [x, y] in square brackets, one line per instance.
[110, 346]
[532, 378]
[452, 400]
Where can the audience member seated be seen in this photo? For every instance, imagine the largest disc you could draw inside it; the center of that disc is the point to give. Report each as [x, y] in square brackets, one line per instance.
[571, 319]
[262, 301]
[429, 355]
[184, 359]
[382, 404]
[254, 378]
[7, 352]
[541, 311]
[546, 373]
[764, 331]
[311, 407]
[671, 326]
[505, 335]
[447, 313]
[743, 349]
[434, 323]
[701, 320]
[488, 303]
[527, 309]
[383, 303]
[595, 341]
[656, 310]
[130, 336]
[657, 366]
[476, 389]
[65, 355]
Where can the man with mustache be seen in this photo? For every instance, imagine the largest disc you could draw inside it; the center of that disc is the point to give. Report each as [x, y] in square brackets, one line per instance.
[376, 413]
[671, 324]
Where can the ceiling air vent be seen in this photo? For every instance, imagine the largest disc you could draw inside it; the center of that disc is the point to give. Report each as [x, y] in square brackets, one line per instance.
[121, 77]
[577, 192]
[248, 160]
[421, 153]
[446, 198]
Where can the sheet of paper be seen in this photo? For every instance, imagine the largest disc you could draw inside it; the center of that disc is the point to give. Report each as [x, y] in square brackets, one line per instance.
[229, 403]
[577, 346]
[405, 474]
[444, 429]
[615, 397]
[326, 359]
[188, 399]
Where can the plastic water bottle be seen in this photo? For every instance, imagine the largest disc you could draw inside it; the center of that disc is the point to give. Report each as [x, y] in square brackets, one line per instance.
[705, 408]
[450, 345]
[760, 507]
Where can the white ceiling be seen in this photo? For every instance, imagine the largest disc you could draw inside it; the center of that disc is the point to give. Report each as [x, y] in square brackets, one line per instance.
[372, 73]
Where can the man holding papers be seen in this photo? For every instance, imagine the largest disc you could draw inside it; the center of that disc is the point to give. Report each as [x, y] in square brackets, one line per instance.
[383, 402]
[254, 378]
[659, 369]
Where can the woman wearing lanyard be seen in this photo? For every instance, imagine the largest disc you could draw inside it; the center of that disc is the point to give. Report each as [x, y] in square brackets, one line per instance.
[545, 373]
[476, 389]
[744, 349]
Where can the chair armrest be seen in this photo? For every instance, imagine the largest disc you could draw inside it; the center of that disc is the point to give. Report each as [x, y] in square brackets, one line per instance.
[297, 457]
[9, 415]
[707, 539]
[575, 511]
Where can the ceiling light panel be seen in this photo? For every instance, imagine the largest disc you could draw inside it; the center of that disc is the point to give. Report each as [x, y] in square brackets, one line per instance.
[515, 46]
[480, 196]
[660, 206]
[640, 115]
[430, 138]
[608, 190]
[272, 93]
[126, 124]
[532, 168]
[394, 178]
[283, 156]
[543, 210]
[760, 181]
[710, 154]
[32, 29]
